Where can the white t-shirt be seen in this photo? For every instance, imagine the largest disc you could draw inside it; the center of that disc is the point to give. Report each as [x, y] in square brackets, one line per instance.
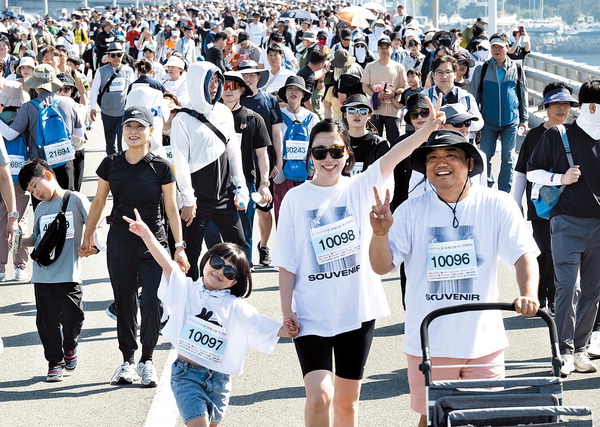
[335, 296]
[235, 325]
[287, 53]
[491, 221]
[277, 81]
[256, 32]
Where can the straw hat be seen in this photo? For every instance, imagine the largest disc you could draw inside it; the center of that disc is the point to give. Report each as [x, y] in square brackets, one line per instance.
[44, 77]
[12, 94]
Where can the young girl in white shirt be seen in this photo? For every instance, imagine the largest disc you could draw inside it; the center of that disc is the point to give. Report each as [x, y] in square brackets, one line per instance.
[211, 327]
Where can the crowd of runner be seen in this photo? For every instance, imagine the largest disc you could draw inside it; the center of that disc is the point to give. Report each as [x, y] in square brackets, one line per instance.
[220, 115]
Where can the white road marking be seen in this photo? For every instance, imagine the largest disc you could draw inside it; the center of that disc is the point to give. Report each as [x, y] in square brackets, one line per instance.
[163, 411]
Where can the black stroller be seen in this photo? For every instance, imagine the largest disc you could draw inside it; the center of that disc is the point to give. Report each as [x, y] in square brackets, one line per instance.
[529, 401]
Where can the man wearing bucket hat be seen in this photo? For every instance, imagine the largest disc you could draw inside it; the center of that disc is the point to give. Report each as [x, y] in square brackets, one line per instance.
[267, 106]
[479, 226]
[46, 84]
[254, 136]
[109, 94]
[574, 223]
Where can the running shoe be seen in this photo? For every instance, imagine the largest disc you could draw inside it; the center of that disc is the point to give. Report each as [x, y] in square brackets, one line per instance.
[146, 372]
[124, 374]
[594, 348]
[568, 365]
[21, 275]
[264, 255]
[71, 359]
[55, 374]
[583, 363]
[111, 311]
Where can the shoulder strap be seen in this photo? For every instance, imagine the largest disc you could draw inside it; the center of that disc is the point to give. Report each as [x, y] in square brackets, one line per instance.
[484, 68]
[66, 196]
[200, 116]
[565, 139]
[307, 120]
[107, 85]
[287, 120]
[431, 93]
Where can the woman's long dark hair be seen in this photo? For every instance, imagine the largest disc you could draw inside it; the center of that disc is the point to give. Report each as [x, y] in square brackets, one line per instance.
[337, 126]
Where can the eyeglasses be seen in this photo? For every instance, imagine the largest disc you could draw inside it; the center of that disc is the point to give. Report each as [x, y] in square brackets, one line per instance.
[415, 114]
[218, 263]
[444, 73]
[335, 151]
[466, 64]
[361, 111]
[466, 123]
[116, 55]
[230, 85]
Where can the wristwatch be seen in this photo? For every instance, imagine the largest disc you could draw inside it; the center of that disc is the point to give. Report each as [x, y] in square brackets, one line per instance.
[14, 215]
[181, 244]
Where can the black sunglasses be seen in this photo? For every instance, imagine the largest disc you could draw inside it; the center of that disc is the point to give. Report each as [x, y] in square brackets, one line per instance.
[336, 152]
[415, 114]
[116, 55]
[466, 123]
[218, 263]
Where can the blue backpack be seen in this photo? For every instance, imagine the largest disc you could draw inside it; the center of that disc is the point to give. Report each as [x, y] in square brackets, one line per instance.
[52, 137]
[295, 148]
[18, 155]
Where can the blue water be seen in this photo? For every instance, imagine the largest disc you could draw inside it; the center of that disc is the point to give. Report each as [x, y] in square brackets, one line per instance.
[584, 58]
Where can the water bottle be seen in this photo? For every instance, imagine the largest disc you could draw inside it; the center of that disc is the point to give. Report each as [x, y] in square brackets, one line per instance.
[257, 198]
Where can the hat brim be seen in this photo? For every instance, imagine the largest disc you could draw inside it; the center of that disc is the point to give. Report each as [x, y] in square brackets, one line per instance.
[339, 64]
[420, 104]
[51, 86]
[138, 120]
[417, 158]
[11, 102]
[241, 82]
[561, 98]
[264, 75]
[281, 92]
[461, 118]
[344, 107]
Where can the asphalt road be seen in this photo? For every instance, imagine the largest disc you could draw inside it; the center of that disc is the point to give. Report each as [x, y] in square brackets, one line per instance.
[269, 393]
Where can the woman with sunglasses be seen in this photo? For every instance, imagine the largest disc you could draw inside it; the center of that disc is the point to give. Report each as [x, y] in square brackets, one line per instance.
[211, 326]
[325, 279]
[137, 179]
[462, 72]
[366, 144]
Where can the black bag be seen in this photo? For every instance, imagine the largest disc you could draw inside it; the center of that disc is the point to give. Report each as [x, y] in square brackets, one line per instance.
[52, 243]
[107, 86]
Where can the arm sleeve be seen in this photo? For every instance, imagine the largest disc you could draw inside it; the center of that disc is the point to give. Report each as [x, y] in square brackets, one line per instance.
[543, 177]
[95, 91]
[180, 141]
[7, 132]
[519, 187]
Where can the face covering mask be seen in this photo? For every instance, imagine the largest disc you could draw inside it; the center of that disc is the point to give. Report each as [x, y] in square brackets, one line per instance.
[590, 123]
[428, 49]
[360, 52]
[378, 32]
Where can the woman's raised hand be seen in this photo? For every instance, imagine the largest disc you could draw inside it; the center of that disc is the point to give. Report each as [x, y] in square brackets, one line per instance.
[381, 214]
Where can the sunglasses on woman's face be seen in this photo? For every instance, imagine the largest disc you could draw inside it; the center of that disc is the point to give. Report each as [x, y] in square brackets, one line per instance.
[218, 263]
[466, 123]
[336, 152]
[361, 111]
[116, 55]
[230, 85]
[415, 114]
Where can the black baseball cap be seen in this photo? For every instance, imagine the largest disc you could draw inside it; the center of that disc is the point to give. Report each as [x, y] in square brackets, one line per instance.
[138, 114]
[384, 40]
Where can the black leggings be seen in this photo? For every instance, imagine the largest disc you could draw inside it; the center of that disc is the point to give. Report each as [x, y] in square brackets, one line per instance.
[351, 350]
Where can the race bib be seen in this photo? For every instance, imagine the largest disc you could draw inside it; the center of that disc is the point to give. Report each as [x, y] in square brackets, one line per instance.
[207, 342]
[16, 162]
[169, 154]
[47, 219]
[60, 152]
[117, 85]
[295, 150]
[451, 260]
[336, 240]
[357, 168]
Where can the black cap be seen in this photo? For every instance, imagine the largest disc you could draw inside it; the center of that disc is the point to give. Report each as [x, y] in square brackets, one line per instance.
[295, 81]
[243, 36]
[138, 114]
[357, 100]
[418, 100]
[384, 40]
[67, 79]
[346, 34]
[446, 138]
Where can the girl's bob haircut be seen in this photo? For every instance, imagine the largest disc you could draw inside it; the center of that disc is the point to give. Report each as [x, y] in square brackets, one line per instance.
[235, 255]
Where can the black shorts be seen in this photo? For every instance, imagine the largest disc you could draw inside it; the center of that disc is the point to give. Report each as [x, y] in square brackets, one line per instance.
[351, 350]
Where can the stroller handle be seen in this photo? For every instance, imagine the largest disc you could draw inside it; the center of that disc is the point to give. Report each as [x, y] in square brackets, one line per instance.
[425, 366]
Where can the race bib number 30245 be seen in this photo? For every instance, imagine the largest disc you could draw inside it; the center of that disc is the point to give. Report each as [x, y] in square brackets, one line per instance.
[451, 260]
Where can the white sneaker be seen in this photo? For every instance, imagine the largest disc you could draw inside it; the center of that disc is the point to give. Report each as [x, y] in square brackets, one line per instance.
[124, 374]
[594, 348]
[21, 275]
[146, 372]
[583, 363]
[568, 365]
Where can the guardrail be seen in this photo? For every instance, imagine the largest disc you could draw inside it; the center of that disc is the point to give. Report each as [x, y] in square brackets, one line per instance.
[542, 69]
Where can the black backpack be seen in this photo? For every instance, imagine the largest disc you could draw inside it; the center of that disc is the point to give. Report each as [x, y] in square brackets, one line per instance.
[52, 243]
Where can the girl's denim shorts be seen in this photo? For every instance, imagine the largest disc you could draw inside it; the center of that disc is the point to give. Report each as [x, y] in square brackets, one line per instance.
[199, 392]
